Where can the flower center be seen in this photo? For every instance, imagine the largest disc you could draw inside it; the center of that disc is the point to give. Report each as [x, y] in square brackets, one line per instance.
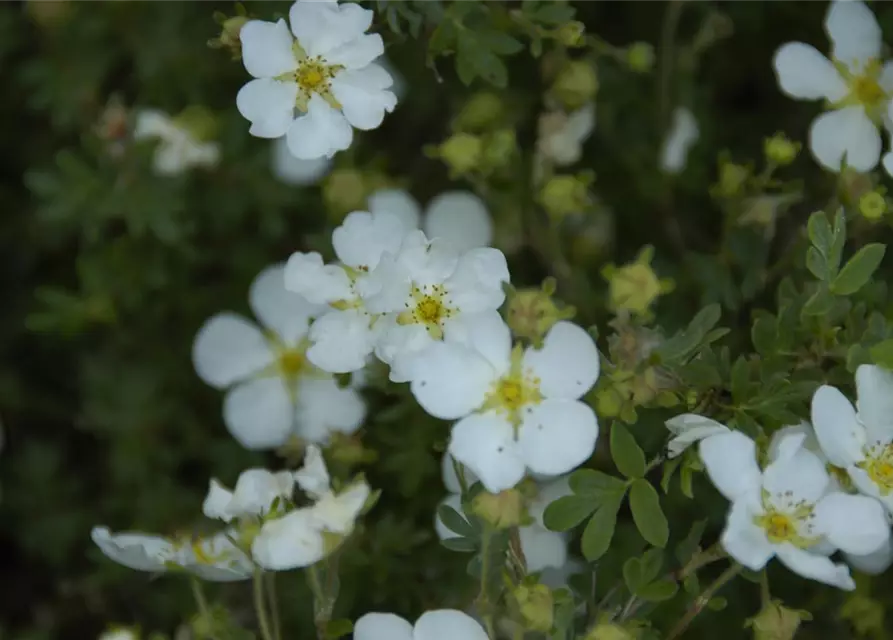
[842, 477]
[865, 88]
[514, 390]
[429, 306]
[292, 362]
[878, 464]
[786, 519]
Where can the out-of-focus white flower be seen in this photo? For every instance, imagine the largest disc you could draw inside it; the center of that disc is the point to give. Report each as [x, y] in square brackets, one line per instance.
[274, 391]
[786, 511]
[214, 558]
[178, 149]
[294, 171]
[459, 217]
[561, 135]
[855, 84]
[255, 491]
[119, 633]
[443, 624]
[684, 132]
[519, 409]
[688, 429]
[322, 69]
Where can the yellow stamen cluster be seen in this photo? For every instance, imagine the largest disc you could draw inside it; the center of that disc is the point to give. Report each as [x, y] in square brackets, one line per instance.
[878, 464]
[787, 520]
[514, 390]
[429, 306]
[865, 88]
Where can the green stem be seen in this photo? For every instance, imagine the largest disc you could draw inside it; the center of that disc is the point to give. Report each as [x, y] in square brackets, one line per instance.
[202, 604]
[765, 596]
[260, 606]
[483, 600]
[702, 600]
[274, 604]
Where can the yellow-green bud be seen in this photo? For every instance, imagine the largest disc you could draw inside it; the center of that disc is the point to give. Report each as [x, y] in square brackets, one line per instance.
[564, 195]
[576, 84]
[570, 34]
[609, 402]
[480, 113]
[501, 510]
[462, 153]
[777, 622]
[532, 312]
[610, 631]
[640, 57]
[343, 191]
[499, 149]
[780, 149]
[230, 28]
[873, 205]
[535, 603]
[635, 286]
[732, 178]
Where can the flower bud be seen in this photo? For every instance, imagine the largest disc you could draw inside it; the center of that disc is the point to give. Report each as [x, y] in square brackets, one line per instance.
[873, 205]
[576, 84]
[635, 286]
[532, 312]
[610, 631]
[501, 510]
[732, 178]
[481, 112]
[570, 34]
[776, 622]
[780, 149]
[499, 149]
[535, 603]
[462, 153]
[640, 57]
[565, 195]
[230, 28]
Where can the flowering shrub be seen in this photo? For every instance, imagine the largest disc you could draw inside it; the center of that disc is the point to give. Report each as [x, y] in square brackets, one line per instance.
[458, 320]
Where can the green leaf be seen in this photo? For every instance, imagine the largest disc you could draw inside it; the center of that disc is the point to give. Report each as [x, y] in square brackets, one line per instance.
[499, 42]
[638, 572]
[455, 522]
[627, 454]
[647, 513]
[568, 511]
[740, 380]
[817, 264]
[838, 239]
[858, 270]
[599, 530]
[820, 233]
[460, 545]
[670, 467]
[882, 354]
[658, 591]
[686, 342]
[474, 59]
[819, 303]
[596, 484]
[338, 628]
[692, 542]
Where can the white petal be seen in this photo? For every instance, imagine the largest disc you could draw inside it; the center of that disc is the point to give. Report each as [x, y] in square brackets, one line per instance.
[229, 348]
[338, 513]
[362, 239]
[269, 105]
[342, 340]
[386, 288]
[485, 443]
[450, 380]
[806, 74]
[322, 26]
[362, 100]
[557, 435]
[152, 123]
[810, 442]
[874, 387]
[454, 500]
[684, 132]
[321, 132]
[267, 48]
[542, 548]
[325, 408]
[448, 473]
[845, 132]
[219, 560]
[288, 543]
[872, 563]
[277, 308]
[217, 502]
[404, 349]
[855, 524]
[358, 54]
[134, 550]
[448, 624]
[887, 161]
[689, 428]
[731, 463]
[866, 486]
[313, 477]
[398, 202]
[836, 427]
[294, 171]
[744, 540]
[854, 32]
[461, 218]
[306, 275]
[428, 262]
[799, 474]
[815, 567]
[485, 332]
[476, 283]
[382, 626]
[568, 363]
[257, 489]
[259, 413]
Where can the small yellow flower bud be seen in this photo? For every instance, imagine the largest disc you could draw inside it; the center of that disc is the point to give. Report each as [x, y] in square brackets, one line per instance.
[230, 28]
[609, 402]
[462, 153]
[344, 190]
[481, 112]
[499, 149]
[732, 178]
[635, 286]
[501, 510]
[576, 84]
[776, 622]
[873, 205]
[640, 57]
[570, 34]
[535, 603]
[609, 631]
[780, 149]
[532, 312]
[565, 195]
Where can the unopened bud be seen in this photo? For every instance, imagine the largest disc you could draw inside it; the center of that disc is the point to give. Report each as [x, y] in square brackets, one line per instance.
[230, 28]
[499, 149]
[570, 34]
[732, 178]
[576, 84]
[535, 603]
[780, 149]
[532, 312]
[635, 286]
[610, 631]
[565, 195]
[640, 57]
[777, 622]
[501, 510]
[462, 153]
[873, 205]
[481, 112]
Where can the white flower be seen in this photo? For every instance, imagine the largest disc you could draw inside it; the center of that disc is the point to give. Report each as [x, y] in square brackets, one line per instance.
[683, 134]
[785, 510]
[561, 135]
[255, 491]
[274, 390]
[343, 337]
[519, 409]
[443, 624]
[294, 171]
[860, 442]
[178, 150]
[298, 539]
[855, 83]
[429, 292]
[119, 634]
[213, 558]
[459, 217]
[688, 429]
[542, 548]
[323, 69]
